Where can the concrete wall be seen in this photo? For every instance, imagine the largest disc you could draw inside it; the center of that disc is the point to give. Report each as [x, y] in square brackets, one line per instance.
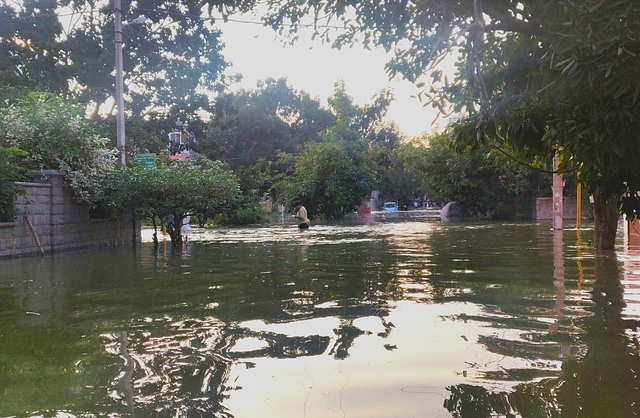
[544, 208]
[59, 222]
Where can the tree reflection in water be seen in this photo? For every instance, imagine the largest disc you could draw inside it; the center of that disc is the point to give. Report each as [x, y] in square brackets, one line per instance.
[600, 381]
[234, 328]
[187, 374]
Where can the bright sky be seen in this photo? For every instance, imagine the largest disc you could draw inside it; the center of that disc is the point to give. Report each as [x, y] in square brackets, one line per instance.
[310, 66]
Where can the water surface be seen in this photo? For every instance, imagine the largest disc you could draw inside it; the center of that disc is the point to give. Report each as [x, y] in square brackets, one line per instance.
[400, 317]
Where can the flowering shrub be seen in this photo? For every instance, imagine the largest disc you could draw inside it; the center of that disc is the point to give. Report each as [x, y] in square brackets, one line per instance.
[57, 136]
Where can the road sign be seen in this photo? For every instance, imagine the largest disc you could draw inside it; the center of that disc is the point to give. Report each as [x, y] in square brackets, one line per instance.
[148, 160]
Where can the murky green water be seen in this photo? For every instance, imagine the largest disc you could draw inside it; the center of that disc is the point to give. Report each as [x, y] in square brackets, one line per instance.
[404, 318]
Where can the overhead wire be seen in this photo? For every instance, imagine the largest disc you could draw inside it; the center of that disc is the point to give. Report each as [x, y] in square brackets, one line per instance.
[42, 17]
[213, 19]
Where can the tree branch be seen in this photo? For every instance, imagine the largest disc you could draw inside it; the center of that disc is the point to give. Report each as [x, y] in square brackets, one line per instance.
[517, 161]
[513, 25]
[531, 167]
[500, 20]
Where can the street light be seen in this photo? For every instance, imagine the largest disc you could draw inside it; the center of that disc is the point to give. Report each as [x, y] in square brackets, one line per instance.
[120, 138]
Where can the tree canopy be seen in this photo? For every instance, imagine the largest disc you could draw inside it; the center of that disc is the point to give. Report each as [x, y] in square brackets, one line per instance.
[482, 181]
[538, 77]
[67, 47]
[168, 195]
[333, 176]
[11, 171]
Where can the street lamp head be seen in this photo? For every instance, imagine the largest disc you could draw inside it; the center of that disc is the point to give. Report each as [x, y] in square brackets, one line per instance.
[138, 20]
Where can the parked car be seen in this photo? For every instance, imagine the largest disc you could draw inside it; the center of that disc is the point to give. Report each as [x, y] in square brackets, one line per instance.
[390, 207]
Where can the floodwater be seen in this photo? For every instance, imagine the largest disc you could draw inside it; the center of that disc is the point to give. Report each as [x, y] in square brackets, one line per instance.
[398, 317]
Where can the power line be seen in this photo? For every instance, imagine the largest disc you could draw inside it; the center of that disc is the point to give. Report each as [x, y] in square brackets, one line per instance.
[200, 17]
[161, 12]
[40, 17]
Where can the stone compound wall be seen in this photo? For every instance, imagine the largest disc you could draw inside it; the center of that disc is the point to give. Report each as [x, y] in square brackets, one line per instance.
[55, 221]
[544, 208]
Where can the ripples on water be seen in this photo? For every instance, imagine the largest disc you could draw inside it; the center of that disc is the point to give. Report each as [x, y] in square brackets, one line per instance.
[396, 318]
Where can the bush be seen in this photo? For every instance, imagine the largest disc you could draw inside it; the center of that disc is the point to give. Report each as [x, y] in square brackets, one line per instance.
[57, 136]
[10, 172]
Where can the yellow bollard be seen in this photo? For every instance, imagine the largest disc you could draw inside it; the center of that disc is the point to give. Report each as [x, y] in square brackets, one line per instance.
[579, 206]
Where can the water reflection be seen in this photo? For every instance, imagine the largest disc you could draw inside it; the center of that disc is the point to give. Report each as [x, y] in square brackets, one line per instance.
[388, 319]
[600, 379]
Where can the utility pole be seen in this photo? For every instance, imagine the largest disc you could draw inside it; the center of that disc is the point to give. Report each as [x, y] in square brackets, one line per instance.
[120, 138]
[558, 183]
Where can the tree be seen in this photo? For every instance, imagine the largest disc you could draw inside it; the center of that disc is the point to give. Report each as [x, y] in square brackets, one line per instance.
[485, 183]
[541, 77]
[170, 194]
[398, 180]
[261, 123]
[331, 178]
[354, 122]
[30, 47]
[334, 176]
[170, 63]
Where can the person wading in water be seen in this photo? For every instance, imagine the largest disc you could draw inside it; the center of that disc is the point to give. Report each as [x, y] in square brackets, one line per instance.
[301, 215]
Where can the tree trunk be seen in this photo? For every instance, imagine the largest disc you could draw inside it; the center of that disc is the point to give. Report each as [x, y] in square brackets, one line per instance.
[605, 213]
[174, 229]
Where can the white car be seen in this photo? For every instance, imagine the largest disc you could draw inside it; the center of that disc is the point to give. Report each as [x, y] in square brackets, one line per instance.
[390, 207]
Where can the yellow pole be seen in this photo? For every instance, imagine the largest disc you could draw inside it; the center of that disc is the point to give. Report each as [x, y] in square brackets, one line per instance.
[558, 198]
[579, 259]
[579, 206]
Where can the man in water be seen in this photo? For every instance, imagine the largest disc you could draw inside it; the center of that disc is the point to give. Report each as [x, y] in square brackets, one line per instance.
[301, 215]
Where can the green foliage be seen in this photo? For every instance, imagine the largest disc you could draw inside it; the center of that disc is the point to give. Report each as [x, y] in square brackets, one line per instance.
[170, 62]
[354, 122]
[30, 46]
[10, 172]
[485, 183]
[261, 123]
[257, 180]
[331, 178]
[170, 194]
[334, 176]
[57, 136]
[261, 132]
[399, 176]
[534, 77]
[246, 213]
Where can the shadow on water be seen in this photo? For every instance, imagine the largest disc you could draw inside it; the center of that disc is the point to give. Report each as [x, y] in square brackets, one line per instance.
[392, 317]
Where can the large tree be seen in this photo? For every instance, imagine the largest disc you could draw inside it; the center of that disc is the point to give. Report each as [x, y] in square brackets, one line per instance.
[484, 182]
[540, 76]
[334, 176]
[262, 122]
[170, 62]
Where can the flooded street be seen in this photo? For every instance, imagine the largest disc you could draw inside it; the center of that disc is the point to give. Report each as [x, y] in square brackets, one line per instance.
[399, 317]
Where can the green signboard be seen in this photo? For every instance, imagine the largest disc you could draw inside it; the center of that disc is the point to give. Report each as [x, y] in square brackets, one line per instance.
[147, 159]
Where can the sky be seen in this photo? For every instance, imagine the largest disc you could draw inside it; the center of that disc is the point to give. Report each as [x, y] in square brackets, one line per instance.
[257, 53]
